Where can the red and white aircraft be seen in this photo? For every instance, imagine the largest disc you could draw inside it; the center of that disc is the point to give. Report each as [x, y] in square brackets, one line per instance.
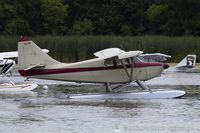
[112, 66]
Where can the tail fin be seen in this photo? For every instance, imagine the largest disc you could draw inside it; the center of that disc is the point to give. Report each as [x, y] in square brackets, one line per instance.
[189, 62]
[29, 54]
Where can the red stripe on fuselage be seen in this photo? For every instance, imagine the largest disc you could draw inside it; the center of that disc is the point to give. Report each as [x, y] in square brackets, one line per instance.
[85, 69]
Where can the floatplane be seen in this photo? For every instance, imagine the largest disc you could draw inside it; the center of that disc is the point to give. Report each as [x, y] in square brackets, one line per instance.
[112, 66]
[187, 65]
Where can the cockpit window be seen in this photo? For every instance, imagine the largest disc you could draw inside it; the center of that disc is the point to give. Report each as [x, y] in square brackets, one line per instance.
[108, 63]
[111, 63]
[116, 63]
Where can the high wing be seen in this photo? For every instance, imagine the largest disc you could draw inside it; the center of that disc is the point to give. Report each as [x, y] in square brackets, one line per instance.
[129, 54]
[154, 57]
[116, 53]
[109, 52]
[6, 55]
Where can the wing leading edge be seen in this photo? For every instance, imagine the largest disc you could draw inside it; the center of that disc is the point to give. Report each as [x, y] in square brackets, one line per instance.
[116, 53]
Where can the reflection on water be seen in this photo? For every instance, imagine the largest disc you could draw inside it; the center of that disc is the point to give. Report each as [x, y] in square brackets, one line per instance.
[45, 111]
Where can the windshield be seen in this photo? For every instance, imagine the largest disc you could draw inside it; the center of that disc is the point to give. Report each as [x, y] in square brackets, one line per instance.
[136, 59]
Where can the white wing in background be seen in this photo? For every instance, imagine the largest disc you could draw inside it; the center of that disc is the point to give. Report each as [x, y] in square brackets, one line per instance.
[154, 57]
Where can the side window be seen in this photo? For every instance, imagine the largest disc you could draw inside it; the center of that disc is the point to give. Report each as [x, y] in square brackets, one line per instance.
[127, 61]
[108, 63]
[114, 63]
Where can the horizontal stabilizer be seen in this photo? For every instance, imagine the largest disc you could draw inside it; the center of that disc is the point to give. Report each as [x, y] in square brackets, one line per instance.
[34, 66]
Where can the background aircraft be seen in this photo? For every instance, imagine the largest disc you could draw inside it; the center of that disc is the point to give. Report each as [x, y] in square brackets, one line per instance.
[154, 57]
[188, 64]
[8, 60]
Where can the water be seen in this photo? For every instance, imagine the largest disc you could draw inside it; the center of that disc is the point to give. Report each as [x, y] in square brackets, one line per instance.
[45, 113]
[48, 111]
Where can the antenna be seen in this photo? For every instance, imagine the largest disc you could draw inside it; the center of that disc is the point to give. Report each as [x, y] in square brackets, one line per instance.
[121, 46]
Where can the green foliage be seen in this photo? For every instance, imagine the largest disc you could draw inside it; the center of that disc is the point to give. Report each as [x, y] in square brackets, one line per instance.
[84, 27]
[17, 26]
[29, 11]
[194, 25]
[156, 11]
[100, 17]
[156, 15]
[77, 48]
[6, 14]
[8, 43]
[125, 30]
[54, 13]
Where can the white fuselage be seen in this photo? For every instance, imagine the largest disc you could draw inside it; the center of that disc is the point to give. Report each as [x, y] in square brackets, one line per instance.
[96, 70]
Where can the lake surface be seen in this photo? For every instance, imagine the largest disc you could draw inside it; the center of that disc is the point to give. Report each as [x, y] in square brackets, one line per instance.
[48, 111]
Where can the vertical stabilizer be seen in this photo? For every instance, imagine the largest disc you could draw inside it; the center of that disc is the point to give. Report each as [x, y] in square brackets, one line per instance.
[29, 54]
[189, 61]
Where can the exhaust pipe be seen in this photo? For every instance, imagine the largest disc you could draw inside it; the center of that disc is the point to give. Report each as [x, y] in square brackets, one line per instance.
[165, 66]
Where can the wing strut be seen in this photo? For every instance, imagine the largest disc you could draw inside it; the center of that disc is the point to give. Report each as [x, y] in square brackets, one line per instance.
[130, 75]
[7, 66]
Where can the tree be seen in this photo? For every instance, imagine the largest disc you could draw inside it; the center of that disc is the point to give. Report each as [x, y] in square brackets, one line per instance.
[183, 17]
[157, 16]
[84, 27]
[54, 13]
[107, 17]
[125, 30]
[1, 15]
[7, 12]
[29, 11]
[155, 11]
[194, 25]
[17, 26]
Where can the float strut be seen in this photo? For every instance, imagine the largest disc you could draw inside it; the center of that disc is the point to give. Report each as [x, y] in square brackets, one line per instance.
[108, 87]
[143, 86]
